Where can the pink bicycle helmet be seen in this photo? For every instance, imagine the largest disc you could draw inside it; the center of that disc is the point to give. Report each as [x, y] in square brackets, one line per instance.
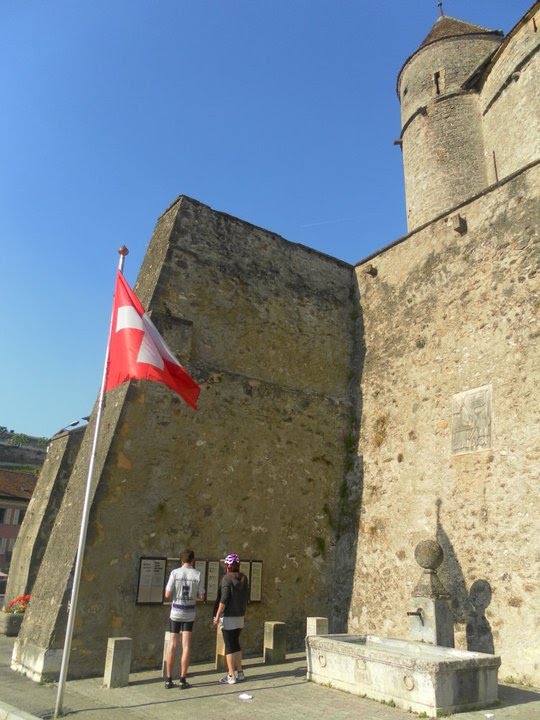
[231, 559]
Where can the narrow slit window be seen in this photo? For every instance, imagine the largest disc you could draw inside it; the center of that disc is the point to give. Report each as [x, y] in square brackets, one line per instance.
[437, 81]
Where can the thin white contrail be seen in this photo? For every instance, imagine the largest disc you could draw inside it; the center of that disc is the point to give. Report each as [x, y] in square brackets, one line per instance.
[326, 222]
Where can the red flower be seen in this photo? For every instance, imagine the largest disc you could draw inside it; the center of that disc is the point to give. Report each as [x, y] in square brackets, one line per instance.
[18, 605]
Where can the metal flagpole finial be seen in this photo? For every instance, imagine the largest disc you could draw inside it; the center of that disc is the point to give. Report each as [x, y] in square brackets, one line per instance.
[122, 251]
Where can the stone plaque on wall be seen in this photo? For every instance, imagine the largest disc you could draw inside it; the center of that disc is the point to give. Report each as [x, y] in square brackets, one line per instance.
[471, 420]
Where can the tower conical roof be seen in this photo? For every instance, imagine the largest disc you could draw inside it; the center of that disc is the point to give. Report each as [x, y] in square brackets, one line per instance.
[446, 27]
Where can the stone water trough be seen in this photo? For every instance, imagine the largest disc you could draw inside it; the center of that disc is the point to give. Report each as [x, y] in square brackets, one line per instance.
[424, 674]
[415, 676]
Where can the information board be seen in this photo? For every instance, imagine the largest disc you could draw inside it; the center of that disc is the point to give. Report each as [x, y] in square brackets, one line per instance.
[255, 581]
[212, 584]
[151, 582]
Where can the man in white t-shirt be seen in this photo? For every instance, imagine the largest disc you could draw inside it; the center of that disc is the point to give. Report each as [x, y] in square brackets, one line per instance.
[183, 588]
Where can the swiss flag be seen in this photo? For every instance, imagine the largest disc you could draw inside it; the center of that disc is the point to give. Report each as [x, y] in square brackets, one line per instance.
[138, 352]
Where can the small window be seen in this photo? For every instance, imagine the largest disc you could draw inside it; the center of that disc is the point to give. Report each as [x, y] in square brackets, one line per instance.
[3, 512]
[437, 81]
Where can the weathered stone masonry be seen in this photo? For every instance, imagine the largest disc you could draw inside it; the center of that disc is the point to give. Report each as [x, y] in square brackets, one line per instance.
[268, 329]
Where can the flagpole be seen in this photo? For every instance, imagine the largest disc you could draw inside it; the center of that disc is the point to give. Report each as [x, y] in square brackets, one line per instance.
[123, 251]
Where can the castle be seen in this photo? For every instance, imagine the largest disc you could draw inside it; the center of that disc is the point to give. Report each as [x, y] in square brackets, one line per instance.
[346, 412]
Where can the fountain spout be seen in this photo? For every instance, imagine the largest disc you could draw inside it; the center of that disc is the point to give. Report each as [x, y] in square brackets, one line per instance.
[430, 598]
[419, 613]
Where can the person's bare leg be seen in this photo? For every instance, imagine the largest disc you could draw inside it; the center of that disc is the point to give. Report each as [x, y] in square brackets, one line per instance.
[186, 653]
[171, 652]
[230, 663]
[237, 661]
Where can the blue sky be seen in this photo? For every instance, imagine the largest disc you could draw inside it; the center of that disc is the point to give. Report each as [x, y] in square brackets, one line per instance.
[282, 113]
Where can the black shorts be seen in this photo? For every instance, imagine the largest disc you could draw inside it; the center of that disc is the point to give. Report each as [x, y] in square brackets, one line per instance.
[178, 626]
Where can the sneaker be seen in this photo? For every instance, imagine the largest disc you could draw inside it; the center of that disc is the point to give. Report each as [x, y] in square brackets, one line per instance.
[228, 680]
[240, 676]
[184, 685]
[169, 684]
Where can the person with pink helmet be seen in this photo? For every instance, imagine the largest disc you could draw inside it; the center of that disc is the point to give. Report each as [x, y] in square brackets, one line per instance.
[230, 616]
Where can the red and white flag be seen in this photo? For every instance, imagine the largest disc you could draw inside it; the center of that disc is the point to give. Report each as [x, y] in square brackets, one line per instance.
[138, 352]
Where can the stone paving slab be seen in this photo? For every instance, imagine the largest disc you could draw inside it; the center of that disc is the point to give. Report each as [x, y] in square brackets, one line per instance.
[279, 692]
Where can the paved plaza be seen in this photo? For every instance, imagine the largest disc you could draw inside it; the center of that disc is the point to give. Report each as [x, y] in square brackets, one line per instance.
[278, 692]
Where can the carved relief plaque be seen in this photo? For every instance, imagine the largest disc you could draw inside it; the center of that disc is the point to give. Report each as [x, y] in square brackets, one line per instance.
[471, 420]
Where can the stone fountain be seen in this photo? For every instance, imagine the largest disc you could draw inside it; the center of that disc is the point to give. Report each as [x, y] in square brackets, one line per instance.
[425, 674]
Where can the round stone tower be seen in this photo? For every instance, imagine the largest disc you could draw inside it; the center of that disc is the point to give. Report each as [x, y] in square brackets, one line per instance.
[441, 136]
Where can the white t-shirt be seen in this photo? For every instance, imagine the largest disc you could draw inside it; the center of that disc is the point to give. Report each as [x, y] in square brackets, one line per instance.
[184, 585]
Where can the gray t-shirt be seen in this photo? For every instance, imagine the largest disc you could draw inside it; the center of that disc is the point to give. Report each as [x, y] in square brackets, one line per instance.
[234, 595]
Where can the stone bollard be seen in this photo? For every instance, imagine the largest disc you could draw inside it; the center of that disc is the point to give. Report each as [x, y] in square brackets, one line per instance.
[118, 662]
[317, 626]
[275, 642]
[221, 662]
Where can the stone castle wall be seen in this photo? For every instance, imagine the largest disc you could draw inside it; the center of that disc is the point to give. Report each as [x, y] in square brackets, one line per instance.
[437, 146]
[511, 101]
[442, 132]
[454, 58]
[268, 328]
[446, 314]
[463, 131]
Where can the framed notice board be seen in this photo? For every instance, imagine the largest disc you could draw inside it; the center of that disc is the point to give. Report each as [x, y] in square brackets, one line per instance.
[255, 581]
[213, 576]
[154, 573]
[200, 565]
[151, 582]
[173, 563]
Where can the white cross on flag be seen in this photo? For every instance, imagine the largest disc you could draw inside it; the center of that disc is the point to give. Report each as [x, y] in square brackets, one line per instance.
[138, 352]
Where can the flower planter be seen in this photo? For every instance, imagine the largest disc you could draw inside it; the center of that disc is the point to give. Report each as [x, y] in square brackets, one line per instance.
[10, 623]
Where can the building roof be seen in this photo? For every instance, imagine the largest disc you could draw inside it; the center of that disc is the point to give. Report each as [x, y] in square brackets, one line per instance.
[16, 485]
[447, 27]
